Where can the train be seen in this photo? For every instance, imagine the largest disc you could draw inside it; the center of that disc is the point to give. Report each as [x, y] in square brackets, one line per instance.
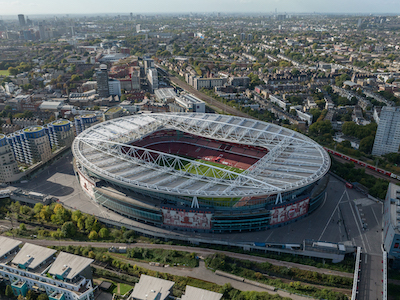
[361, 163]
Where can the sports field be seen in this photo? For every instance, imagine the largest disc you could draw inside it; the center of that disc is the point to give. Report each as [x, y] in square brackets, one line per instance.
[4, 73]
[209, 172]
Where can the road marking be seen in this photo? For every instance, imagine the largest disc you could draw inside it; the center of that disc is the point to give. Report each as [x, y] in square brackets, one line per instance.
[376, 219]
[269, 236]
[329, 220]
[358, 227]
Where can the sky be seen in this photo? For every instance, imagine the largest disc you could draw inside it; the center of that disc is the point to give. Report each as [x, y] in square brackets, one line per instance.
[33, 7]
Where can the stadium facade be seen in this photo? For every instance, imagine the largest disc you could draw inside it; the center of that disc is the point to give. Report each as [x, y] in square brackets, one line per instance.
[201, 172]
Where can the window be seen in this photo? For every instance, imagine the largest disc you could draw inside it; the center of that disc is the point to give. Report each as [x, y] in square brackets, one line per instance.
[396, 245]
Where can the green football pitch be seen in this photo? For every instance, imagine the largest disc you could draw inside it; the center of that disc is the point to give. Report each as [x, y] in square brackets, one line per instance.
[207, 171]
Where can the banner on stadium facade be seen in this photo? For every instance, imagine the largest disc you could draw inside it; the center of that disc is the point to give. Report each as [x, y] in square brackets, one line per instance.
[289, 212]
[189, 219]
[86, 184]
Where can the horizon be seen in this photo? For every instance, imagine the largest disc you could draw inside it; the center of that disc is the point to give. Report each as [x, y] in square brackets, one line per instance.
[260, 7]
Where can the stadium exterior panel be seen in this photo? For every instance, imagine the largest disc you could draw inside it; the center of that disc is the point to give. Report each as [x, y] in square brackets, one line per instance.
[201, 172]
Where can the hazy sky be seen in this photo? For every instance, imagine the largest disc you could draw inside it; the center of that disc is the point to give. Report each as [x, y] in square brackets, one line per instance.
[30, 7]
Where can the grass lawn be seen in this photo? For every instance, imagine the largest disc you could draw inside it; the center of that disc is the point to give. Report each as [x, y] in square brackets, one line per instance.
[124, 288]
[208, 171]
[4, 73]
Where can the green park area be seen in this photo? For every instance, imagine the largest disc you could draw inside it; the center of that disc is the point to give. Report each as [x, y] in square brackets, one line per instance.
[4, 73]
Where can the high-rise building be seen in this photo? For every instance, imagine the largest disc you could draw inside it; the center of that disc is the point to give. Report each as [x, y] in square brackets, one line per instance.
[9, 171]
[387, 139]
[30, 145]
[42, 32]
[102, 81]
[84, 122]
[137, 27]
[152, 77]
[60, 134]
[148, 63]
[21, 19]
[114, 87]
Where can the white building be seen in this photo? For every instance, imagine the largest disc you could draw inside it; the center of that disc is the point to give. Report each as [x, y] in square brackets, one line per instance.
[152, 77]
[9, 171]
[165, 95]
[199, 83]
[279, 101]
[190, 103]
[151, 288]
[387, 139]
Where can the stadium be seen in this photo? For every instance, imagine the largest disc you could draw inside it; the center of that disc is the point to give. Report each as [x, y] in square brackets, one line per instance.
[201, 172]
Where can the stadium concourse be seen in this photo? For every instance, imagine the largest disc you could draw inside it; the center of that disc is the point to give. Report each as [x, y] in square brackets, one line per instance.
[201, 172]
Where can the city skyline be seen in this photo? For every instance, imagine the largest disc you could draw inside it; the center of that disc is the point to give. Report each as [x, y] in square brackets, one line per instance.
[42, 7]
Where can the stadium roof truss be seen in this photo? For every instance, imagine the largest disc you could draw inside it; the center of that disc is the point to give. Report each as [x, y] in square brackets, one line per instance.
[292, 161]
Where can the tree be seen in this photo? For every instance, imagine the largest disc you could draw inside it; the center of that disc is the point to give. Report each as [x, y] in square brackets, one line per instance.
[43, 297]
[104, 233]
[9, 292]
[81, 223]
[12, 71]
[366, 144]
[68, 229]
[45, 213]
[22, 227]
[93, 235]
[76, 215]
[75, 77]
[61, 215]
[31, 295]
[89, 223]
[57, 234]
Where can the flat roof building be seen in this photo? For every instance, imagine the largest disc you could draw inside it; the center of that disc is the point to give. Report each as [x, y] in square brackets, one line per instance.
[31, 256]
[68, 266]
[165, 95]
[190, 103]
[194, 293]
[151, 288]
[65, 277]
[8, 245]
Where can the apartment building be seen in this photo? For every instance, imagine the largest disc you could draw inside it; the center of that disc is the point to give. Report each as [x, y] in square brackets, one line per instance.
[65, 277]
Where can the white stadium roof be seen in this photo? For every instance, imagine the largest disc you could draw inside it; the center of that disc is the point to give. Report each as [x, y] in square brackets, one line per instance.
[293, 160]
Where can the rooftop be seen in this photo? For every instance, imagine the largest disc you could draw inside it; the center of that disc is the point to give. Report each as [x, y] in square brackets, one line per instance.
[7, 244]
[60, 122]
[69, 265]
[113, 110]
[151, 288]
[293, 160]
[33, 128]
[193, 293]
[31, 256]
